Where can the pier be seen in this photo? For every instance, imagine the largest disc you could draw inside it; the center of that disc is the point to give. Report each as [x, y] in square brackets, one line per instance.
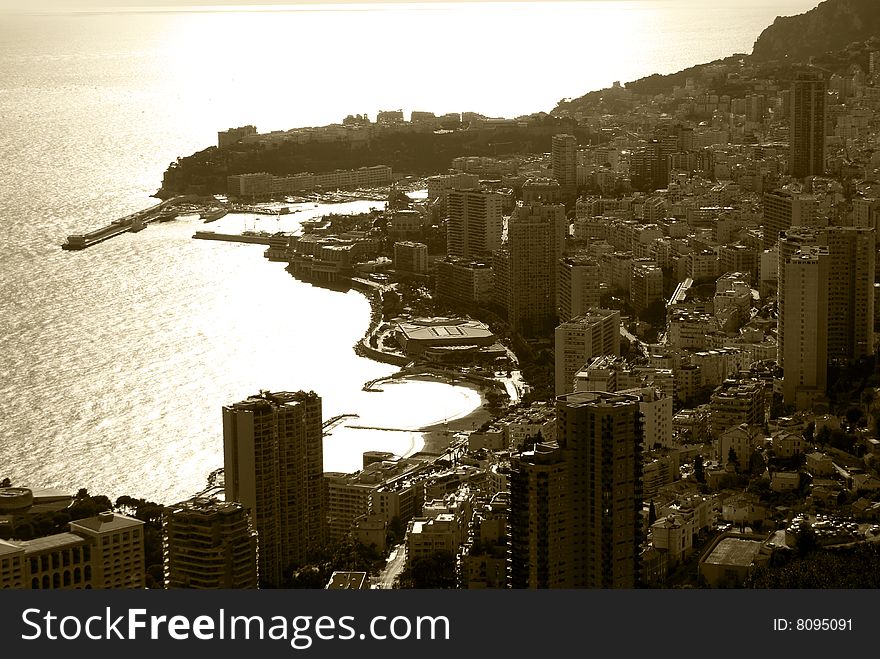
[133, 222]
[256, 239]
[332, 422]
[384, 429]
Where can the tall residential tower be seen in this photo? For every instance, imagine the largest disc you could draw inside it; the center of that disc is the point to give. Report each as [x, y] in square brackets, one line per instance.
[575, 509]
[474, 227]
[273, 459]
[807, 126]
[563, 156]
[526, 271]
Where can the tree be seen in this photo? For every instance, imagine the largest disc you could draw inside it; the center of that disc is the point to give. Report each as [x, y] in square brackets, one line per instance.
[854, 415]
[809, 431]
[654, 313]
[396, 531]
[699, 470]
[756, 464]
[823, 436]
[6, 483]
[842, 441]
[806, 540]
[733, 459]
[652, 513]
[434, 571]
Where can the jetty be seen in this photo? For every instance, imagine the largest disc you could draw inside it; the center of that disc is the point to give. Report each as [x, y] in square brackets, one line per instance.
[133, 222]
[253, 238]
[331, 423]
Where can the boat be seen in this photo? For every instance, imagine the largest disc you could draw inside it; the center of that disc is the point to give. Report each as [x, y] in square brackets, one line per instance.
[212, 215]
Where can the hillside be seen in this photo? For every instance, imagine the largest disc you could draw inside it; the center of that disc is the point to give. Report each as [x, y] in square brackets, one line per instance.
[830, 26]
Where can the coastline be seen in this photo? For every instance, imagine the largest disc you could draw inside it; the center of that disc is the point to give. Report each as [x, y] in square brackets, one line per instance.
[437, 436]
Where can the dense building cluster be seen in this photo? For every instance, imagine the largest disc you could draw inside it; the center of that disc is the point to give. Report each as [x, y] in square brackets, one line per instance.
[671, 314]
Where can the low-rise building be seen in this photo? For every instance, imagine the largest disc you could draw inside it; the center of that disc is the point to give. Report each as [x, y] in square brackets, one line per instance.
[674, 535]
[785, 481]
[348, 581]
[731, 559]
[819, 464]
[427, 536]
[422, 334]
[105, 551]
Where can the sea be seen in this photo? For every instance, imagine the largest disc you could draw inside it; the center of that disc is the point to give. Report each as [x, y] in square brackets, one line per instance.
[115, 361]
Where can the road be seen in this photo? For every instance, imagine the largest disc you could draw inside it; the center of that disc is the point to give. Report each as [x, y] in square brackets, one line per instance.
[395, 565]
[638, 343]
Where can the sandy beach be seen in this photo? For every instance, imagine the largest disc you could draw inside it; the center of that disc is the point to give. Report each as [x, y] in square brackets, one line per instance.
[438, 436]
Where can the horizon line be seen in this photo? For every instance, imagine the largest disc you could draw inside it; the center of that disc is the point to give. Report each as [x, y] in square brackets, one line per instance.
[307, 5]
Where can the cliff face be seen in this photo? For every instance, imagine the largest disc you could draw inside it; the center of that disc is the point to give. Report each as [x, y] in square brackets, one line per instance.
[830, 26]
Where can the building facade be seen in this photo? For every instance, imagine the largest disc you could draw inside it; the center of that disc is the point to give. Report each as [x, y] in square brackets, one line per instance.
[464, 282]
[273, 463]
[804, 326]
[410, 257]
[600, 435]
[575, 506]
[105, 551]
[581, 339]
[807, 127]
[536, 240]
[209, 544]
[563, 157]
[577, 287]
[474, 226]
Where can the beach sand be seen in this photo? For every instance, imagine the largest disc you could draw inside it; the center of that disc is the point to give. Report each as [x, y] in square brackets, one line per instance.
[439, 435]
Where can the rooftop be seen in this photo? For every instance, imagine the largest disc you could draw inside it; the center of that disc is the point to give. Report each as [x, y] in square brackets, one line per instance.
[734, 551]
[7, 548]
[104, 522]
[347, 581]
[48, 543]
[444, 329]
[205, 506]
[269, 399]
[602, 398]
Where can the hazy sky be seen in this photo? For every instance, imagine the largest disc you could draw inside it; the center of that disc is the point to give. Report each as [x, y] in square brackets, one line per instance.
[29, 5]
[62, 5]
[43, 5]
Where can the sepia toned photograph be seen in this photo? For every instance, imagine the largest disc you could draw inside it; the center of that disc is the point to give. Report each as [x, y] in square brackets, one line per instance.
[439, 295]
